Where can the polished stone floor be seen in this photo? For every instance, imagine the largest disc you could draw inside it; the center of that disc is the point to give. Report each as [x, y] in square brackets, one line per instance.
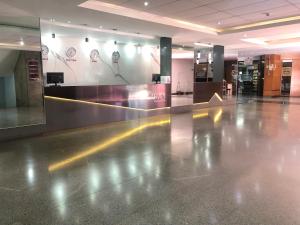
[232, 165]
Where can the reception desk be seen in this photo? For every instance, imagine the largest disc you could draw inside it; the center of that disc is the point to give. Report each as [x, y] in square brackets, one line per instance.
[148, 96]
[204, 91]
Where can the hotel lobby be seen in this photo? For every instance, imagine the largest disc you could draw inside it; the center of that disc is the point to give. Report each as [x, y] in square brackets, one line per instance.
[149, 112]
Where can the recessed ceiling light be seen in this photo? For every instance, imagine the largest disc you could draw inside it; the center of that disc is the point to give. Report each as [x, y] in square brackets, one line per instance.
[69, 21]
[146, 3]
[22, 43]
[219, 22]
[245, 35]
[100, 27]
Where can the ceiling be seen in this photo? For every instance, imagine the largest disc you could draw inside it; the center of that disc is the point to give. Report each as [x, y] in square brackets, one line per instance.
[217, 13]
[224, 22]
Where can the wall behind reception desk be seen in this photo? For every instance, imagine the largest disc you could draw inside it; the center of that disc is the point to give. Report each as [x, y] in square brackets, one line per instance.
[91, 63]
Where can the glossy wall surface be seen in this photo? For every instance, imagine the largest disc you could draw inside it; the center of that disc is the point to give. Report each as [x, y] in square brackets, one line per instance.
[148, 96]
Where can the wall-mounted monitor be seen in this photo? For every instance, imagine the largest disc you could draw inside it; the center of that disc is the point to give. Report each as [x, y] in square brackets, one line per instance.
[55, 78]
[156, 78]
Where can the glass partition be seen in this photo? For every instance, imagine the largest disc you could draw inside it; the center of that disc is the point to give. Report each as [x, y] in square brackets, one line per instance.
[21, 80]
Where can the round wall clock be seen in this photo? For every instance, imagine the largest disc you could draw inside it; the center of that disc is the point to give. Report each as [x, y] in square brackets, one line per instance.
[116, 57]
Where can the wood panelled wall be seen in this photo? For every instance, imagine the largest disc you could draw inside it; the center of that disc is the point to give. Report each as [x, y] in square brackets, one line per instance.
[272, 79]
[295, 81]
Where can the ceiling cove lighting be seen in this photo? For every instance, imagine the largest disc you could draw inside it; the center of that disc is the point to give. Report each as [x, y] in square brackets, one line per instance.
[141, 15]
[22, 43]
[293, 19]
[255, 41]
[81, 27]
[203, 44]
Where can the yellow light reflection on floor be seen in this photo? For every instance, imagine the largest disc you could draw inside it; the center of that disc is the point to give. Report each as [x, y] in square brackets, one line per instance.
[105, 144]
[200, 115]
[218, 116]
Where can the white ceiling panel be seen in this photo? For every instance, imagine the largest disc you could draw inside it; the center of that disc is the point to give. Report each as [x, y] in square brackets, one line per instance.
[231, 4]
[214, 11]
[274, 13]
[196, 12]
[265, 6]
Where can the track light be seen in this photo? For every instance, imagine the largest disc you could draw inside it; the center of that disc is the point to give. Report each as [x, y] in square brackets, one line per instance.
[86, 39]
[53, 35]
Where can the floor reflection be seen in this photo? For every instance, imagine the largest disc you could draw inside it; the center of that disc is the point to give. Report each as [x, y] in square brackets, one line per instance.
[231, 165]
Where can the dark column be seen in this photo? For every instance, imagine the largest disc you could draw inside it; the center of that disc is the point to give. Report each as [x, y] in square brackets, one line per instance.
[218, 63]
[166, 56]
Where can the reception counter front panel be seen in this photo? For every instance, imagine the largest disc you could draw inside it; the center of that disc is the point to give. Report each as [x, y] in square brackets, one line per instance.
[148, 96]
[204, 91]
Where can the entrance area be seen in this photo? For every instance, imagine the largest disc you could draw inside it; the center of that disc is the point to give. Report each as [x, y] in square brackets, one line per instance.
[182, 76]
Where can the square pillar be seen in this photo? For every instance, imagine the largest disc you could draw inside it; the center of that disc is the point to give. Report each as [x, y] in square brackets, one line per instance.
[218, 63]
[166, 56]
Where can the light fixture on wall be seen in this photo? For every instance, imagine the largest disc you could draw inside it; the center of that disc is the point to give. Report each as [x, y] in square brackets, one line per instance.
[139, 49]
[115, 46]
[198, 57]
[210, 59]
[53, 35]
[86, 39]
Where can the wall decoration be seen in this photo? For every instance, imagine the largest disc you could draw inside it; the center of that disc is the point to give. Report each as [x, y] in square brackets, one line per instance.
[45, 52]
[33, 69]
[71, 53]
[116, 57]
[94, 55]
[78, 62]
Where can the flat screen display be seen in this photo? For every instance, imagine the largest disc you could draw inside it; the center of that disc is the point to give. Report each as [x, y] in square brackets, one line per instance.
[55, 78]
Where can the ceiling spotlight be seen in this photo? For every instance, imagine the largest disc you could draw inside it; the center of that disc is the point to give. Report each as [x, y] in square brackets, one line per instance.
[52, 20]
[86, 39]
[146, 3]
[69, 21]
[22, 43]
[100, 27]
[53, 35]
[219, 22]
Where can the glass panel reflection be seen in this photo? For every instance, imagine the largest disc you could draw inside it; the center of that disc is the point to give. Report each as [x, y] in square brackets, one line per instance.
[21, 80]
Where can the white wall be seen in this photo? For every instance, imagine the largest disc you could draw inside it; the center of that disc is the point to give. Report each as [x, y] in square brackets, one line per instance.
[135, 66]
[182, 72]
